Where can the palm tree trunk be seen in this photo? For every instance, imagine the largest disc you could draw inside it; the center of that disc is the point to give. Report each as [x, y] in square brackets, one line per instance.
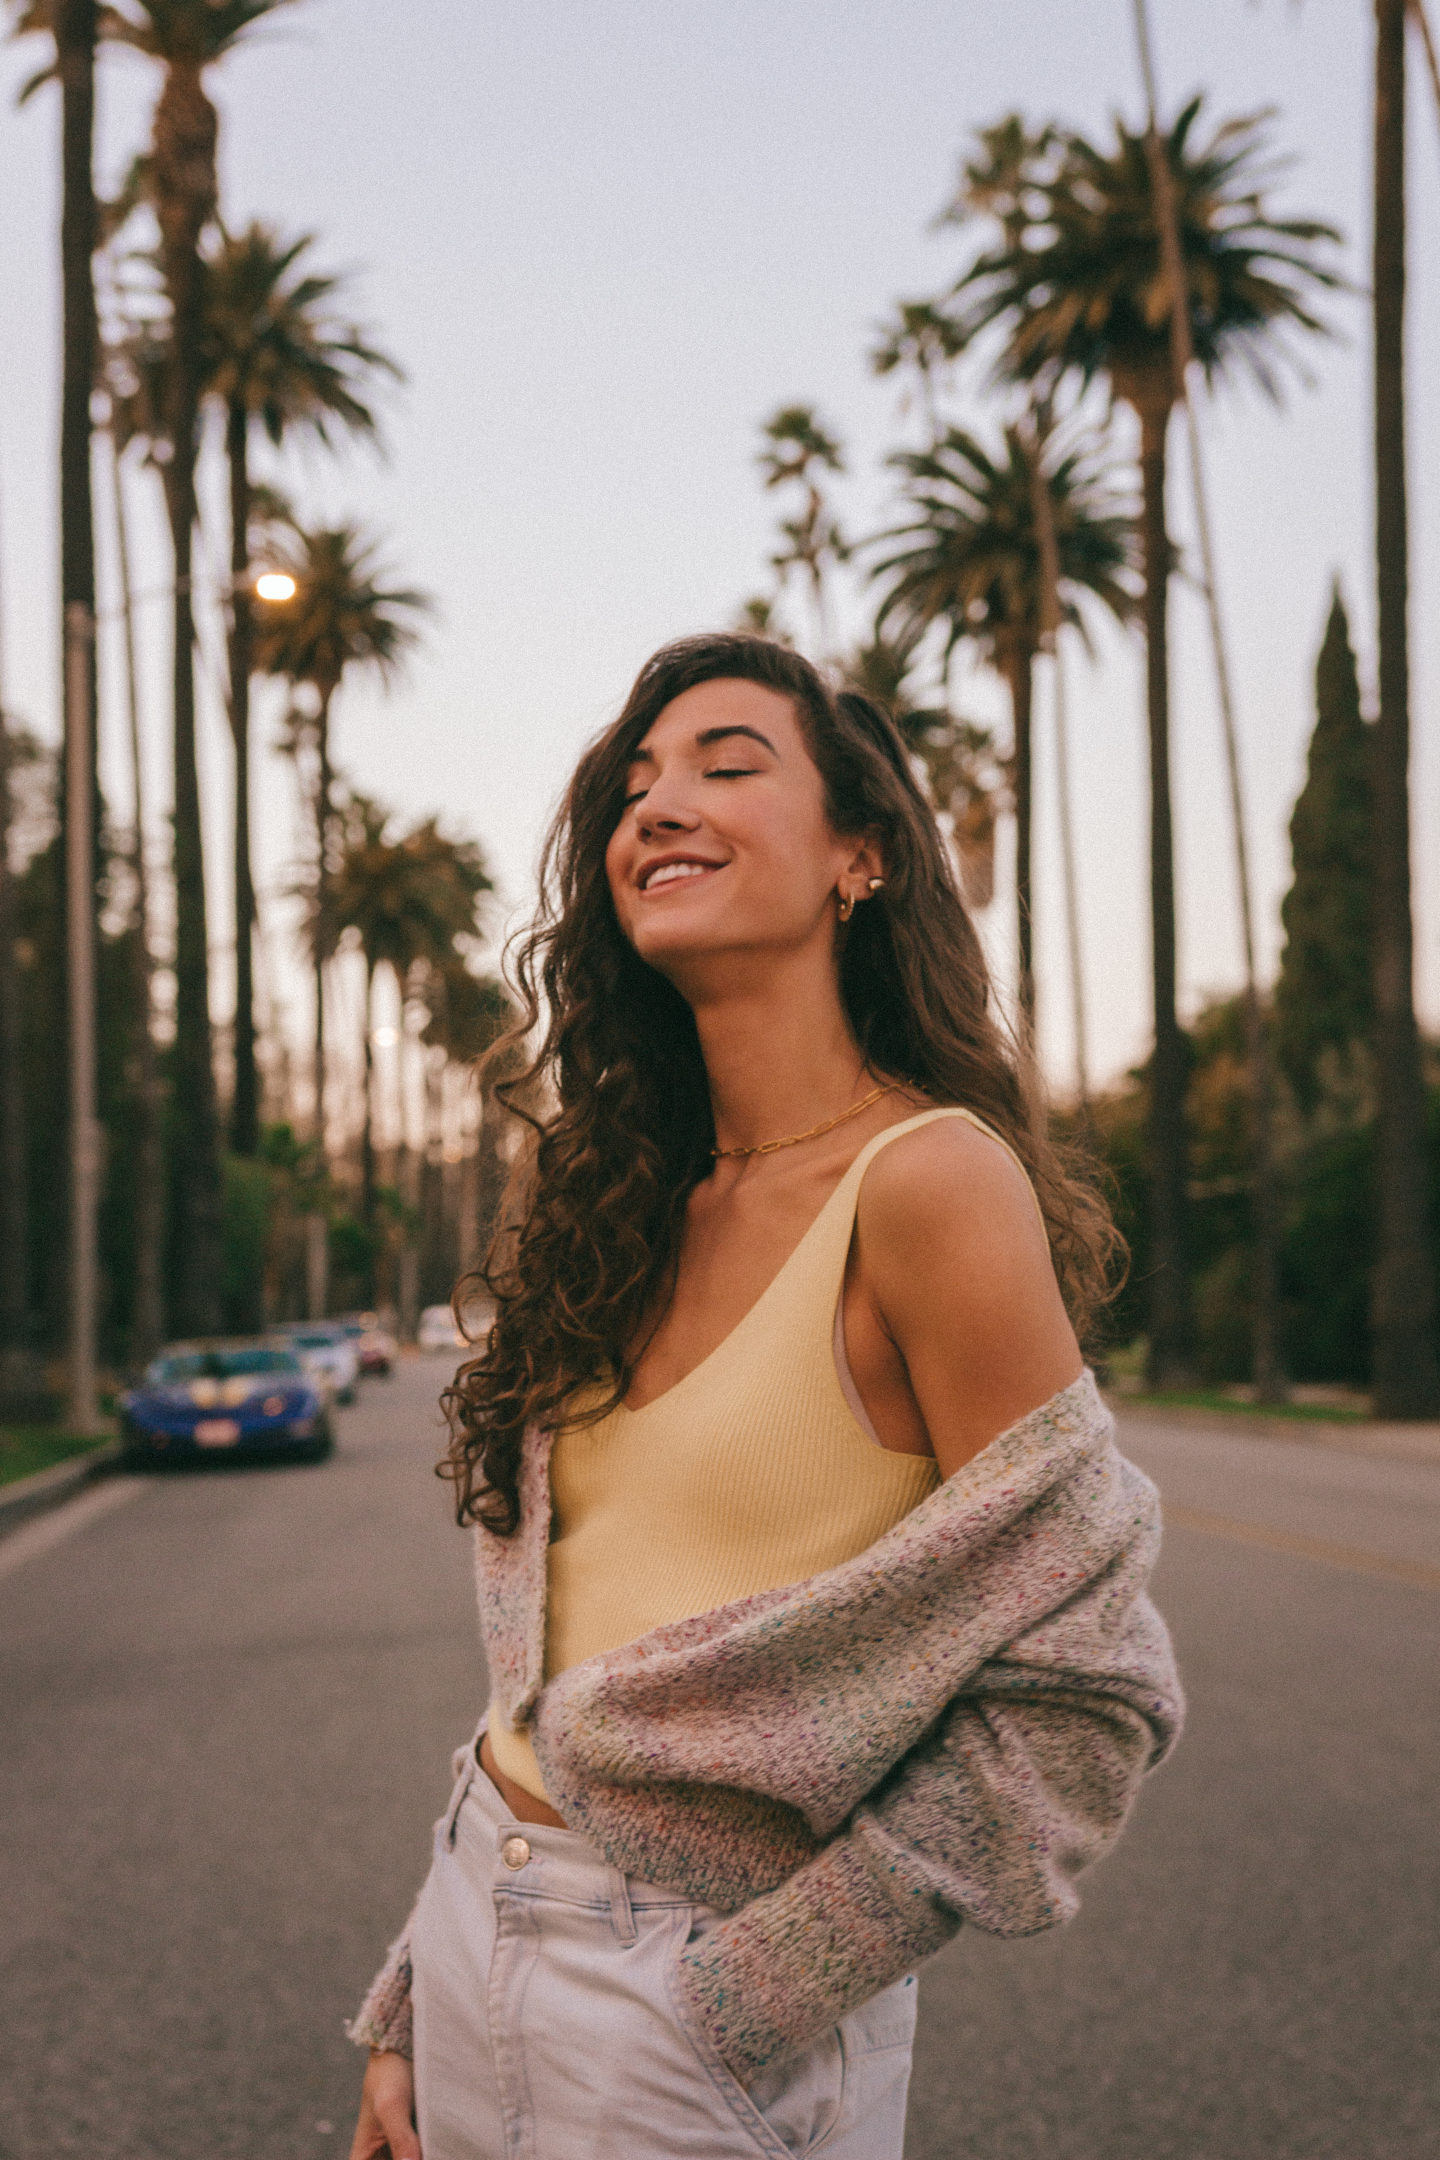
[147, 1306]
[1019, 670]
[75, 31]
[1171, 1325]
[1402, 1293]
[411, 1178]
[432, 1189]
[367, 1141]
[245, 1108]
[324, 784]
[75, 26]
[14, 1211]
[1266, 1363]
[1044, 513]
[1074, 941]
[184, 153]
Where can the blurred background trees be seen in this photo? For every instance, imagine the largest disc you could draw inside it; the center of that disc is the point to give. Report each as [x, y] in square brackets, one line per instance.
[1026, 513]
[1061, 315]
[194, 350]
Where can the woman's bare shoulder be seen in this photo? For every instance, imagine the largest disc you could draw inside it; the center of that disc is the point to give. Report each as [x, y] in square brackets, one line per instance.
[955, 1176]
[956, 1263]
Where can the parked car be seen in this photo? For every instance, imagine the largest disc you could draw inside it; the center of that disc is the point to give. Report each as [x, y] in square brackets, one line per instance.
[244, 1397]
[375, 1346]
[437, 1329]
[326, 1352]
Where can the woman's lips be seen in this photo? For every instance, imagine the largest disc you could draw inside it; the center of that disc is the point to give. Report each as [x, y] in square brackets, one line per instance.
[666, 877]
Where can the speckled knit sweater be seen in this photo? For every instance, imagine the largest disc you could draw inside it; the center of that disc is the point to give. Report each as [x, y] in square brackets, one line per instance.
[947, 1728]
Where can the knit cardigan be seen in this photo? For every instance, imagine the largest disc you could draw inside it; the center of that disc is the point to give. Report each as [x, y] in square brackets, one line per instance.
[947, 1728]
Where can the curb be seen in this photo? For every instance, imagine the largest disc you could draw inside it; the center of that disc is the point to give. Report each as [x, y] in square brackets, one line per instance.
[1367, 1436]
[48, 1488]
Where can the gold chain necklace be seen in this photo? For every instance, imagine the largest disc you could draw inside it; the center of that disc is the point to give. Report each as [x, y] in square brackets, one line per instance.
[768, 1147]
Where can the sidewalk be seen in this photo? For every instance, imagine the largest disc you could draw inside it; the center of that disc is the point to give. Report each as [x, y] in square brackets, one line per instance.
[1396, 1442]
[28, 1496]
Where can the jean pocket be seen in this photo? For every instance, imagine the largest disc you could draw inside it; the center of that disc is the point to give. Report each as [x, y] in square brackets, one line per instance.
[887, 2020]
[790, 2107]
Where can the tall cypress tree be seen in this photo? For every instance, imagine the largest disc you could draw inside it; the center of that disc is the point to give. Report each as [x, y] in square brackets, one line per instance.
[1323, 999]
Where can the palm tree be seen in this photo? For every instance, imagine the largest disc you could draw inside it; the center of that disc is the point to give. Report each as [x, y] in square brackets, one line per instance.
[16, 1371]
[186, 37]
[277, 357]
[920, 338]
[73, 24]
[74, 27]
[147, 1307]
[409, 901]
[969, 557]
[1402, 1301]
[467, 1015]
[342, 618]
[1077, 285]
[964, 774]
[795, 451]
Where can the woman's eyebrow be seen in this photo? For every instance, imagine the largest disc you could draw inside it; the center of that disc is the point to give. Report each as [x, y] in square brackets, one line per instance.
[707, 736]
[706, 739]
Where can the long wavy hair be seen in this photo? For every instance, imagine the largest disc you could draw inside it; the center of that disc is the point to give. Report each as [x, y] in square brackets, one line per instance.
[584, 1259]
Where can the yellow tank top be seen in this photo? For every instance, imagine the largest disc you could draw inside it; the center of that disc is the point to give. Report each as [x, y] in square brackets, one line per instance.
[758, 1469]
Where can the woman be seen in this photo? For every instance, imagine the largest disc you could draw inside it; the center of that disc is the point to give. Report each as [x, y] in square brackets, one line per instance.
[811, 1584]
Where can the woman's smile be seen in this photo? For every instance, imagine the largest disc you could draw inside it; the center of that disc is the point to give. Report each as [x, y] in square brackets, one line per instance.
[668, 871]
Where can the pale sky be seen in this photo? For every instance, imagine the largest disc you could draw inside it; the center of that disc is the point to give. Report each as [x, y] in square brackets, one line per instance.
[606, 238]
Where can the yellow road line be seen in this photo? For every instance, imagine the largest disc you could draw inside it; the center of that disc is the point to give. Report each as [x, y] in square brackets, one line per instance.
[1352, 1557]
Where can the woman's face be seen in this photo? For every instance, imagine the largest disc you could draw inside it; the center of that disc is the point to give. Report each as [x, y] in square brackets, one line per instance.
[723, 847]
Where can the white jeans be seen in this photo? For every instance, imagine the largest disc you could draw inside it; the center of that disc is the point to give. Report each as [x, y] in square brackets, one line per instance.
[546, 2028]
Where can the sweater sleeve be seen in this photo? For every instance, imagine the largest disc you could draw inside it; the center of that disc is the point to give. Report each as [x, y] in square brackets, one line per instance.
[386, 2018]
[988, 1820]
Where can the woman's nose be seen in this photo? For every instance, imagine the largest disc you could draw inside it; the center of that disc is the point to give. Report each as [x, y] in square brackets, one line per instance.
[654, 816]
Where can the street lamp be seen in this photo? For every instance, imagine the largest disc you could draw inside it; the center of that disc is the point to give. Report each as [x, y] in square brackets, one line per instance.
[275, 586]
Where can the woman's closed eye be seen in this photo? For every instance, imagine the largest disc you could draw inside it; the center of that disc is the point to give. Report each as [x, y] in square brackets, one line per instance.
[716, 772]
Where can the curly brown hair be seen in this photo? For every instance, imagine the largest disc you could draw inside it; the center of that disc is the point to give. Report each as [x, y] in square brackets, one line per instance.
[588, 1245]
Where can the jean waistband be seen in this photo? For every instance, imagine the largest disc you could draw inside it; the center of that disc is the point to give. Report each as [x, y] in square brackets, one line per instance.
[536, 1859]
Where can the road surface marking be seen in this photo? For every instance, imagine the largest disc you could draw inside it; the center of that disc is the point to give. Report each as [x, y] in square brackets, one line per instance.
[1352, 1557]
[34, 1538]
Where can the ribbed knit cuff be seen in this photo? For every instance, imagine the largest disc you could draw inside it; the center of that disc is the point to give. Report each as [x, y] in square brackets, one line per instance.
[386, 2018]
[767, 1980]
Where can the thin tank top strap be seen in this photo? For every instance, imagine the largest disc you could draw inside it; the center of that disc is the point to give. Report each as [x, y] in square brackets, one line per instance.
[835, 1229]
[881, 1140]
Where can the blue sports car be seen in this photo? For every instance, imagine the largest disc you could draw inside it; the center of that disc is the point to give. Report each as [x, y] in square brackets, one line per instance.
[212, 1398]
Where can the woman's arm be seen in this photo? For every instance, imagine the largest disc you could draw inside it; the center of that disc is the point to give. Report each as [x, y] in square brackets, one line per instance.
[954, 1320]
[1026, 1780]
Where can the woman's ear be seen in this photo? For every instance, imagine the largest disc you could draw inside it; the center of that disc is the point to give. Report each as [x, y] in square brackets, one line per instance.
[868, 860]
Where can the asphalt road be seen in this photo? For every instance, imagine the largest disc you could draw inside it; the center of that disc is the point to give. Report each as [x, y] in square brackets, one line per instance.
[228, 1702]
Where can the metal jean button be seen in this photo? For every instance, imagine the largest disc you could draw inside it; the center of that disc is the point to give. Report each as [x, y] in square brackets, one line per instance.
[515, 1852]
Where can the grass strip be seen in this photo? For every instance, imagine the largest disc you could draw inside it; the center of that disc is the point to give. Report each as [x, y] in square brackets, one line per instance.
[1214, 1399]
[24, 1449]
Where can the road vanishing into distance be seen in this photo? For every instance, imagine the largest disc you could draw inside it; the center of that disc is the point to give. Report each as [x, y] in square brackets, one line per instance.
[228, 1701]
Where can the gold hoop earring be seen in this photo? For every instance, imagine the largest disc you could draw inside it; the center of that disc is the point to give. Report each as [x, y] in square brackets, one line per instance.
[877, 884]
[847, 906]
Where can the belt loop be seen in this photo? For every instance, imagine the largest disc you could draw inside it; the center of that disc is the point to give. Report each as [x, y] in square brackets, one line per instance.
[622, 1918]
[457, 1798]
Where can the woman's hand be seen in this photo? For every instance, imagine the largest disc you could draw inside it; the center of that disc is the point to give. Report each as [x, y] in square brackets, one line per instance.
[386, 2129]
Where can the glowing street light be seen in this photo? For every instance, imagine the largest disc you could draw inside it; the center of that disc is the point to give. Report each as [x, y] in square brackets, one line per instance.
[275, 585]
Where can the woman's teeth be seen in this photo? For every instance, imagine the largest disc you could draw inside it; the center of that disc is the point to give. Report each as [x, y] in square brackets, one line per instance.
[669, 872]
